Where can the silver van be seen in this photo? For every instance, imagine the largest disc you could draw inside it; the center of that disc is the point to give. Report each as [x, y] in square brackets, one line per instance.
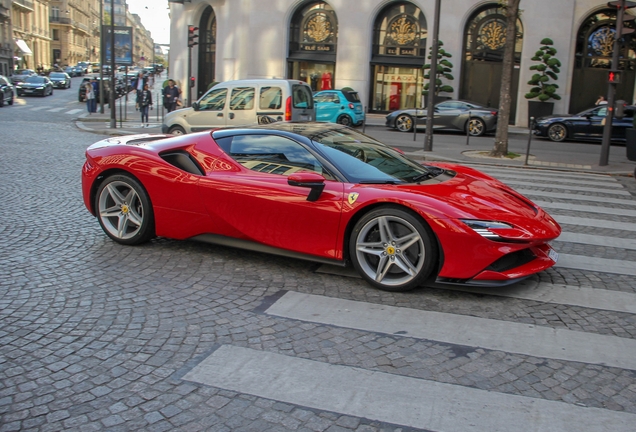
[244, 102]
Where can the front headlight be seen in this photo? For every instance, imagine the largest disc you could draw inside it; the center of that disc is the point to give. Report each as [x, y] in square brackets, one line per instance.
[484, 227]
[40, 88]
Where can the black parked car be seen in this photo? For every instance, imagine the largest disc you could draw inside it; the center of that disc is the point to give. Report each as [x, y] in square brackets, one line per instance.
[448, 115]
[60, 80]
[35, 85]
[586, 126]
[82, 91]
[6, 91]
[20, 75]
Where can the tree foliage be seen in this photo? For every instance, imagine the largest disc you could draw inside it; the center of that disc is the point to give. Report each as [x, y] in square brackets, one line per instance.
[547, 69]
[444, 69]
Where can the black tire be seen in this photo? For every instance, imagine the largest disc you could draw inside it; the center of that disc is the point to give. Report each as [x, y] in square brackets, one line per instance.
[176, 130]
[404, 123]
[2, 101]
[344, 120]
[374, 249]
[11, 100]
[124, 210]
[557, 132]
[475, 127]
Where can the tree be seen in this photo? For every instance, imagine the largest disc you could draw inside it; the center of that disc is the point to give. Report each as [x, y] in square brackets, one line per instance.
[500, 148]
[548, 68]
[444, 69]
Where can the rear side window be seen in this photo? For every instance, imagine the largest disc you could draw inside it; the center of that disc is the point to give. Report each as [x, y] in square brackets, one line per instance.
[270, 98]
[301, 96]
[242, 99]
[351, 96]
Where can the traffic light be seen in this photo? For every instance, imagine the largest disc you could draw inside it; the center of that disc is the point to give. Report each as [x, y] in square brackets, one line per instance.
[192, 81]
[622, 18]
[614, 77]
[192, 36]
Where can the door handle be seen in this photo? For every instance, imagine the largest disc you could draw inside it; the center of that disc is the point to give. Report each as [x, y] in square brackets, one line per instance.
[219, 115]
[231, 116]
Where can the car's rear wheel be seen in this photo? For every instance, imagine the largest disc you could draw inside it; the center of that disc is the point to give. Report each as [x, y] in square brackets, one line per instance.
[557, 132]
[392, 249]
[344, 120]
[124, 210]
[476, 127]
[176, 130]
[404, 123]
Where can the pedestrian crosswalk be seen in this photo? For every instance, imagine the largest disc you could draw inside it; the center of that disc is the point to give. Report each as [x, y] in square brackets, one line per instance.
[588, 207]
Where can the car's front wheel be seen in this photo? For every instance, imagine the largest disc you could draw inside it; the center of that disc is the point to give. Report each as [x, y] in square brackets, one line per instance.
[124, 210]
[557, 132]
[176, 130]
[404, 123]
[476, 127]
[392, 249]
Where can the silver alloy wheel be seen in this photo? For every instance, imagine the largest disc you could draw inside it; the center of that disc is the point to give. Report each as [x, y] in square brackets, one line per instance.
[404, 123]
[476, 127]
[557, 132]
[390, 250]
[121, 210]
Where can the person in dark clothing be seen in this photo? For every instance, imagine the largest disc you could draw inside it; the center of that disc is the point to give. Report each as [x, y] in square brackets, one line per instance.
[170, 96]
[144, 102]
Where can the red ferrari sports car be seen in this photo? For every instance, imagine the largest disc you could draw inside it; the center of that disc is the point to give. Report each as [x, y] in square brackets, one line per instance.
[321, 192]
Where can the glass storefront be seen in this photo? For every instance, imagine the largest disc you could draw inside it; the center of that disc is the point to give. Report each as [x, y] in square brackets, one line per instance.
[319, 76]
[396, 88]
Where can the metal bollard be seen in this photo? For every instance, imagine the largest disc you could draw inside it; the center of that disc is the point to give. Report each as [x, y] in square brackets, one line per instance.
[120, 114]
[468, 129]
[415, 126]
[364, 120]
[529, 140]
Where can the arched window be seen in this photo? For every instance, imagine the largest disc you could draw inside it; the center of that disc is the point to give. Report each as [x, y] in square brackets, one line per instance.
[207, 50]
[398, 54]
[593, 57]
[484, 42]
[313, 40]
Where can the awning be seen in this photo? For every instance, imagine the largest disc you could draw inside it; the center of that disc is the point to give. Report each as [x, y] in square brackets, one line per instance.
[23, 47]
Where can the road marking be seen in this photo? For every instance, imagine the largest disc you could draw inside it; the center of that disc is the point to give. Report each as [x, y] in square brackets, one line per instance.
[604, 265]
[39, 108]
[586, 208]
[74, 111]
[577, 197]
[396, 399]
[597, 240]
[511, 337]
[568, 188]
[550, 180]
[56, 109]
[540, 173]
[596, 223]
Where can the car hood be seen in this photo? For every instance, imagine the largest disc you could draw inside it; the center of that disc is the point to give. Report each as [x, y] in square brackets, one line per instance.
[33, 85]
[58, 79]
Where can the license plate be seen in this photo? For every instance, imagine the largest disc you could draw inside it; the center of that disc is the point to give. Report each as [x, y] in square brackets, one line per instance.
[553, 255]
[304, 117]
[28, 91]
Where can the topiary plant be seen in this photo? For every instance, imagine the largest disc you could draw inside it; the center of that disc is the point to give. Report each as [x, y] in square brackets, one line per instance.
[444, 69]
[548, 68]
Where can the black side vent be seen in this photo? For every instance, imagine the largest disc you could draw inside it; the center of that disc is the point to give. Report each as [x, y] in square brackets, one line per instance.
[512, 260]
[183, 160]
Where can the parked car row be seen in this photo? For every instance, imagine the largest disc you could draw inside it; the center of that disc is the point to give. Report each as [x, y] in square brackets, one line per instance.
[7, 93]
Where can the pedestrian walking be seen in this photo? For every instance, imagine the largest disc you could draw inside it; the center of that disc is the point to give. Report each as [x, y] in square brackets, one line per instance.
[89, 97]
[139, 82]
[601, 100]
[144, 103]
[171, 96]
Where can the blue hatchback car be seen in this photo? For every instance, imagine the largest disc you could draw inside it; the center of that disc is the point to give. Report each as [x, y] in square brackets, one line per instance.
[339, 106]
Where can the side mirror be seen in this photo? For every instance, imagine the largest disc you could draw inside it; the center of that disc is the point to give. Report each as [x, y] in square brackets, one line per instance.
[195, 106]
[310, 180]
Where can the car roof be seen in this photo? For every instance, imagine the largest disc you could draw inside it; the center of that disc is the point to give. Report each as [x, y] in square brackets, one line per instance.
[260, 81]
[306, 129]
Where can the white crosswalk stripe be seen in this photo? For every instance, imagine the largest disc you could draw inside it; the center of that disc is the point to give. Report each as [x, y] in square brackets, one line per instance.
[429, 404]
[58, 109]
[74, 111]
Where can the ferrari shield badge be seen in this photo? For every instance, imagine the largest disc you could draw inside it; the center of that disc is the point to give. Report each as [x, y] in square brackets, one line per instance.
[353, 196]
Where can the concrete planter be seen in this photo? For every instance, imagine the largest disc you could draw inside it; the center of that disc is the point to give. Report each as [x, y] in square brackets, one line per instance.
[538, 109]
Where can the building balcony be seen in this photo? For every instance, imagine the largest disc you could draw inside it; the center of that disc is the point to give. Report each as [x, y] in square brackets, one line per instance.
[27, 5]
[59, 20]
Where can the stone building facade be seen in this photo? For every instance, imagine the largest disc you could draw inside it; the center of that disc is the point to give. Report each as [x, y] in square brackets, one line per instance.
[378, 47]
[6, 38]
[31, 33]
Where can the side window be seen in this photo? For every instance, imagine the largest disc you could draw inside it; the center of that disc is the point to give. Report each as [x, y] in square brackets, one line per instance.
[301, 96]
[213, 101]
[271, 154]
[271, 98]
[601, 112]
[242, 99]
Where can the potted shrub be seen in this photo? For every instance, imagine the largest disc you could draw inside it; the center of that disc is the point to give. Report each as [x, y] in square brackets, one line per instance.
[542, 87]
[444, 69]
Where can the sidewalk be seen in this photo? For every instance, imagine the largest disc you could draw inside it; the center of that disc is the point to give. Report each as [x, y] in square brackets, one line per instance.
[569, 156]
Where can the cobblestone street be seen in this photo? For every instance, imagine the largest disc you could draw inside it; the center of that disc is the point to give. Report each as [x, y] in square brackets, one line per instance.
[98, 336]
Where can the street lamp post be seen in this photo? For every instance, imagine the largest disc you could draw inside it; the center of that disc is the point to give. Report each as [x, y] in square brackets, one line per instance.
[113, 109]
[428, 144]
[101, 56]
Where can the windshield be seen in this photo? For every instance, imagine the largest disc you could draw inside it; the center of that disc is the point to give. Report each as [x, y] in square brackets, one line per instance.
[57, 75]
[35, 79]
[365, 160]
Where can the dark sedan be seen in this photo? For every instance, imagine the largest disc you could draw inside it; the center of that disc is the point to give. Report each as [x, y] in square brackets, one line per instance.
[60, 80]
[35, 85]
[448, 115]
[585, 126]
[6, 91]
[21, 75]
